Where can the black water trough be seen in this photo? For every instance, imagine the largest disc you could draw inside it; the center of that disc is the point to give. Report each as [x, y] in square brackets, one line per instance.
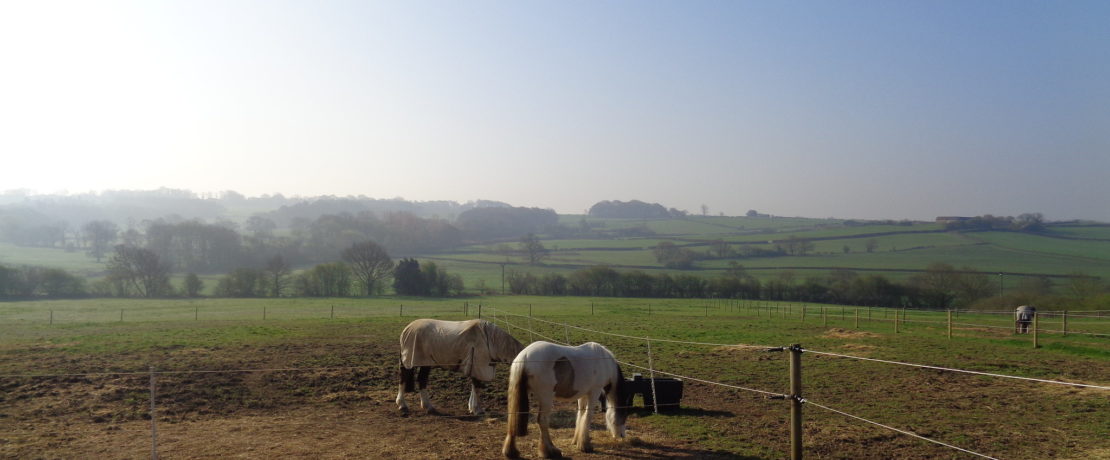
[668, 389]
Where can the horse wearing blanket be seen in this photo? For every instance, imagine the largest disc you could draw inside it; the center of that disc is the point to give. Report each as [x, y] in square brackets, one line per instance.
[549, 371]
[470, 347]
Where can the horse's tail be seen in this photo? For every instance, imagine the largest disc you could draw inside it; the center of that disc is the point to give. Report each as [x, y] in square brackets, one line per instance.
[518, 400]
[406, 375]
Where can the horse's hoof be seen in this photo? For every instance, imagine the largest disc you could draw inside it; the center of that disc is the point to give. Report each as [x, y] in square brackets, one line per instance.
[553, 453]
[587, 449]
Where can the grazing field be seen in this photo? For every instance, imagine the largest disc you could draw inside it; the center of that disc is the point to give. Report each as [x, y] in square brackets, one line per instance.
[305, 381]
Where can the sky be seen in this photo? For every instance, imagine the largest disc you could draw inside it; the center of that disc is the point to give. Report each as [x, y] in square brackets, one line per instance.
[848, 109]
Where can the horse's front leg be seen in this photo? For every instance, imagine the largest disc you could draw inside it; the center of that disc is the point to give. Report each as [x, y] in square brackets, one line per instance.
[547, 448]
[582, 424]
[401, 406]
[475, 403]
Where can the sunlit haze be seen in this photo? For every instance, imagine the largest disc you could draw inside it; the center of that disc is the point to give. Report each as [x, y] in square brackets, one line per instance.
[820, 109]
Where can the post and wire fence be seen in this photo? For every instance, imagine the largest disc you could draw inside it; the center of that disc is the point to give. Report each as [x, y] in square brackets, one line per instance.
[794, 396]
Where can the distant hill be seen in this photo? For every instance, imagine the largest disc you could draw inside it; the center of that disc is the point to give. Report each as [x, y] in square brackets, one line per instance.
[634, 209]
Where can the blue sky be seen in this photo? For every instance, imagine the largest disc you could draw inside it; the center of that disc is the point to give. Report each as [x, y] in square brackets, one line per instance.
[820, 109]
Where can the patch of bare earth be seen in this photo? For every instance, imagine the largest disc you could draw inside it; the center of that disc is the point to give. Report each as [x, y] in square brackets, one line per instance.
[838, 333]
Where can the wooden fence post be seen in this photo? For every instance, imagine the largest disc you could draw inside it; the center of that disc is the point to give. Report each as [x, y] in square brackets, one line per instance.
[857, 318]
[651, 375]
[1035, 315]
[121, 315]
[196, 314]
[1065, 323]
[795, 402]
[263, 312]
[824, 316]
[803, 313]
[479, 310]
[51, 317]
[949, 324]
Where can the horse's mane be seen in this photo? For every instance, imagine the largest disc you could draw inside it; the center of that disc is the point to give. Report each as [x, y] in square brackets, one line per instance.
[503, 347]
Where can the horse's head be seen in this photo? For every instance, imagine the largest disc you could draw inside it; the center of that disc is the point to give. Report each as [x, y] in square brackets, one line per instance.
[619, 397]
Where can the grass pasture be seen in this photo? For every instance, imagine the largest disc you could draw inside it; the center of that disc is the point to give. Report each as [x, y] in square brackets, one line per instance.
[304, 382]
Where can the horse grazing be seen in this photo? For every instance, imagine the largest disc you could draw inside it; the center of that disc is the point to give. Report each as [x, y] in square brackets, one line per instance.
[470, 347]
[549, 371]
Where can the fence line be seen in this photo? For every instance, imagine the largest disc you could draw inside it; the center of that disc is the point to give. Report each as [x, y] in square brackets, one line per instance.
[832, 354]
[989, 374]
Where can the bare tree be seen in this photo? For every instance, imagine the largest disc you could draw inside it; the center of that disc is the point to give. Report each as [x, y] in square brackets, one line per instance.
[872, 244]
[721, 248]
[277, 275]
[100, 235]
[193, 285]
[140, 271]
[533, 249]
[370, 263]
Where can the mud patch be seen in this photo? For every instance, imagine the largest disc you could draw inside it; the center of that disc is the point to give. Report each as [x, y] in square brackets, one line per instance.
[838, 333]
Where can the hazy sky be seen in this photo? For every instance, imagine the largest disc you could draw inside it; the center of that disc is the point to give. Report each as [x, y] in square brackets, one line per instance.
[877, 109]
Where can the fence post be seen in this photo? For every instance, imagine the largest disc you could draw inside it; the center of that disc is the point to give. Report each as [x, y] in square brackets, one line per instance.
[803, 313]
[1035, 315]
[479, 310]
[857, 318]
[649, 309]
[950, 324]
[896, 321]
[529, 312]
[591, 308]
[566, 333]
[121, 315]
[196, 314]
[401, 310]
[333, 311]
[263, 312]
[1065, 323]
[153, 420]
[824, 317]
[795, 402]
[651, 374]
[51, 317]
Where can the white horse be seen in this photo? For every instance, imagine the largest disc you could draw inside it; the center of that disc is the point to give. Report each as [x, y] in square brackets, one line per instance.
[471, 347]
[1023, 317]
[549, 371]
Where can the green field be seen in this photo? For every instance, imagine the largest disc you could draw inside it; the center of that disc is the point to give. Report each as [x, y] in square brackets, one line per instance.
[236, 382]
[900, 250]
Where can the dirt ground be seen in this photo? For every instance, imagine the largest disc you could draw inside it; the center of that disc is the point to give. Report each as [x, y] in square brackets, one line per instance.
[371, 429]
[332, 397]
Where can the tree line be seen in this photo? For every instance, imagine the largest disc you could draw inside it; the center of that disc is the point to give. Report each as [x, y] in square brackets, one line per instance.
[939, 286]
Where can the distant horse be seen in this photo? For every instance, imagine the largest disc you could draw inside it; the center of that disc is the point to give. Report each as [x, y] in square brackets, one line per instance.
[549, 371]
[470, 347]
[1023, 316]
